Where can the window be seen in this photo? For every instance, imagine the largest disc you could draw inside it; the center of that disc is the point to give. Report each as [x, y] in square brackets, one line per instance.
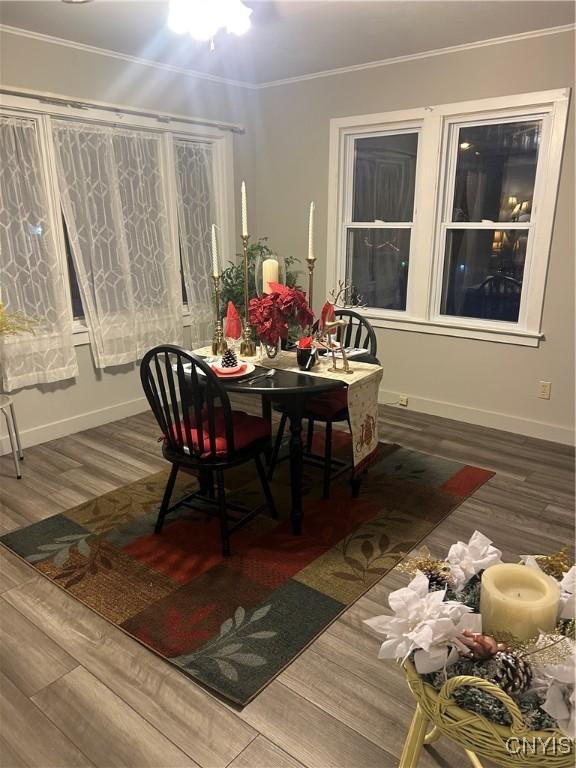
[135, 198]
[382, 209]
[441, 217]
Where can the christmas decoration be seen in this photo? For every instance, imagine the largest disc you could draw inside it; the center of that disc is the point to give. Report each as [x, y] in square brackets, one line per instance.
[437, 571]
[442, 642]
[272, 313]
[466, 560]
[423, 622]
[232, 323]
[229, 359]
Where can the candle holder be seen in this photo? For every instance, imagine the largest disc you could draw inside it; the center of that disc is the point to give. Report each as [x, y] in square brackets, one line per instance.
[311, 264]
[219, 345]
[247, 346]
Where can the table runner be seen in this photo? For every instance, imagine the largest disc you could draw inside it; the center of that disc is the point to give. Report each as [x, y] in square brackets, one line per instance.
[362, 393]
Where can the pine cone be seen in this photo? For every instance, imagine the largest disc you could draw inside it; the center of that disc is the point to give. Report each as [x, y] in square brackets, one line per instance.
[512, 673]
[229, 359]
[437, 580]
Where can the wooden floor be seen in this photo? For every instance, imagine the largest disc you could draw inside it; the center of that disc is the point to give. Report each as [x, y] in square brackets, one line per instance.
[75, 691]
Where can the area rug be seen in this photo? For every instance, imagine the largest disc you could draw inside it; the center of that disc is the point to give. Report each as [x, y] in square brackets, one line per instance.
[233, 624]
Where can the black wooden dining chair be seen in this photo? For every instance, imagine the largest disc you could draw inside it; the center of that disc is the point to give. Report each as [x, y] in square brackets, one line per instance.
[201, 431]
[331, 407]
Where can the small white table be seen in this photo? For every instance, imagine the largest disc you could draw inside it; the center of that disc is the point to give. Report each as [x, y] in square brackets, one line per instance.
[7, 408]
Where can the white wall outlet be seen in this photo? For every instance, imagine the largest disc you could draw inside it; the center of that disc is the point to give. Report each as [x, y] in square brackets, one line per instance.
[544, 388]
[403, 400]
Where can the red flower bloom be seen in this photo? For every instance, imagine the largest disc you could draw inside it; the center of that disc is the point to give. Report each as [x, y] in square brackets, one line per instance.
[270, 314]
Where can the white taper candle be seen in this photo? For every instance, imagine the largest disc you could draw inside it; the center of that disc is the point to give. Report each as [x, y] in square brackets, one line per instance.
[215, 270]
[311, 232]
[244, 211]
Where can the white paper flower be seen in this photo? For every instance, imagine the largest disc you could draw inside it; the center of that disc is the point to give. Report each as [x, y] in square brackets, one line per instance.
[422, 621]
[567, 584]
[557, 682]
[466, 560]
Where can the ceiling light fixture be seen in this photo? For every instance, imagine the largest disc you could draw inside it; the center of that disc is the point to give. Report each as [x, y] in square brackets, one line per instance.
[202, 19]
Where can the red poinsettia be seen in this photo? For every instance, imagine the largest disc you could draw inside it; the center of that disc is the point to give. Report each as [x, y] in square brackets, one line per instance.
[271, 314]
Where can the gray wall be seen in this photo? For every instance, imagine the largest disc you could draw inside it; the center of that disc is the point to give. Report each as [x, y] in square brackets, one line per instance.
[284, 158]
[477, 381]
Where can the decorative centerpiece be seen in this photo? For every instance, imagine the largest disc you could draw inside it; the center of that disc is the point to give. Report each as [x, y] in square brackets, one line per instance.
[306, 353]
[272, 313]
[489, 653]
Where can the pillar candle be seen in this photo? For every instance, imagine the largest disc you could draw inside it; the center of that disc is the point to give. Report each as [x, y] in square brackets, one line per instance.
[244, 212]
[518, 600]
[214, 252]
[269, 274]
[311, 232]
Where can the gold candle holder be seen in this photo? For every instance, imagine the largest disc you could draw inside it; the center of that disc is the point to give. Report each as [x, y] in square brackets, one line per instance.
[311, 264]
[247, 345]
[219, 345]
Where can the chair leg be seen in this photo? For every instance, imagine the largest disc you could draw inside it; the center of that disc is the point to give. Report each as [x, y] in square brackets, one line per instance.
[224, 535]
[166, 498]
[277, 444]
[16, 432]
[327, 460]
[206, 482]
[266, 488]
[310, 436]
[9, 427]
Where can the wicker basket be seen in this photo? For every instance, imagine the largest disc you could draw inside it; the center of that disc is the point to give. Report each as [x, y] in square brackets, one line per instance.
[475, 733]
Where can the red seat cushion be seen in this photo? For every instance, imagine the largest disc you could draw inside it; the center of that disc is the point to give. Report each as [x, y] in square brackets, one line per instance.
[247, 429]
[328, 405]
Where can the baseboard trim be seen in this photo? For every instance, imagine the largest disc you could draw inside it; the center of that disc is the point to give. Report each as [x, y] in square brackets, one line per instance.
[73, 424]
[502, 421]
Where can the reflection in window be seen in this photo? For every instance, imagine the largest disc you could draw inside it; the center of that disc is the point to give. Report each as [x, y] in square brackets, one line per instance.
[377, 266]
[495, 171]
[483, 273]
[384, 177]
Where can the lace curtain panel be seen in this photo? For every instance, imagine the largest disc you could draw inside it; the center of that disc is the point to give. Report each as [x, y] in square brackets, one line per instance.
[196, 212]
[116, 211]
[31, 280]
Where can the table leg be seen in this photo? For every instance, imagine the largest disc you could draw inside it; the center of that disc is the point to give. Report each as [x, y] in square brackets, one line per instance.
[296, 450]
[267, 416]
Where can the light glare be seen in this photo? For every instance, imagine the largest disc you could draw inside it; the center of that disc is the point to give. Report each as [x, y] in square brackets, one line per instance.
[202, 19]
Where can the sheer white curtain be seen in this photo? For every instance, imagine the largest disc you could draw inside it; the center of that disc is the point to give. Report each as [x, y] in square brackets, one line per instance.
[31, 280]
[196, 214]
[114, 203]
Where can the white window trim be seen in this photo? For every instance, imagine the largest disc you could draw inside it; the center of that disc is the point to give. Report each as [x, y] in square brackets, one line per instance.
[433, 123]
[223, 168]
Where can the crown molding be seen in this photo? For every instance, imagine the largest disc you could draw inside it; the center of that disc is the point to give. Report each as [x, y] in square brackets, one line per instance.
[288, 80]
[422, 55]
[17, 31]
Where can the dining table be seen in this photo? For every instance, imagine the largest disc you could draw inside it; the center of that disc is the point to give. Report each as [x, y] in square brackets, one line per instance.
[294, 388]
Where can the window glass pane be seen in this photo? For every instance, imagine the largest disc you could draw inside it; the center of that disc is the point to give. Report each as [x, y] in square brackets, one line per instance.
[483, 273]
[77, 308]
[384, 177]
[495, 171]
[377, 265]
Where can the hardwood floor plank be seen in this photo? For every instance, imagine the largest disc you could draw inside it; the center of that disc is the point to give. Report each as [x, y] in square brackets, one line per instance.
[309, 734]
[31, 736]
[9, 758]
[44, 660]
[106, 729]
[262, 753]
[168, 700]
[13, 571]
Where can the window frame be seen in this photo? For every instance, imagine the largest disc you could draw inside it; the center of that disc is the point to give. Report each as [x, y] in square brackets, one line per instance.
[168, 128]
[348, 199]
[435, 176]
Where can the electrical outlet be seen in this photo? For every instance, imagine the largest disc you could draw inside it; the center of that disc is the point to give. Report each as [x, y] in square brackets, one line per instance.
[544, 388]
[403, 400]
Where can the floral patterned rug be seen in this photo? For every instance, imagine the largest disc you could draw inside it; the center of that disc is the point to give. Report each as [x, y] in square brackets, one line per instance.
[233, 625]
